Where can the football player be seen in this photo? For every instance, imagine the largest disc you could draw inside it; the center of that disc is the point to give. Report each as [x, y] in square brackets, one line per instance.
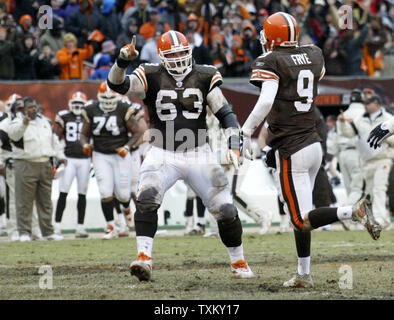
[288, 75]
[380, 133]
[69, 125]
[109, 121]
[175, 93]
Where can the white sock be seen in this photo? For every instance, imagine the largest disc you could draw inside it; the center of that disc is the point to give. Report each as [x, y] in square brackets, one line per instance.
[79, 226]
[236, 253]
[145, 245]
[201, 220]
[304, 265]
[344, 213]
[111, 223]
[122, 219]
[58, 225]
[123, 208]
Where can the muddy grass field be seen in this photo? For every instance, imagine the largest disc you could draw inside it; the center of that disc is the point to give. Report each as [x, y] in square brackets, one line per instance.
[345, 265]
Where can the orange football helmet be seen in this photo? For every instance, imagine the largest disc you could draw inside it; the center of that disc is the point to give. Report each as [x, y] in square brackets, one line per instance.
[107, 97]
[280, 29]
[77, 102]
[169, 45]
[10, 101]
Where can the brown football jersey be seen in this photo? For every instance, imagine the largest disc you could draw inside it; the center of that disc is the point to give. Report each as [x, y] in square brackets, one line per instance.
[177, 108]
[292, 121]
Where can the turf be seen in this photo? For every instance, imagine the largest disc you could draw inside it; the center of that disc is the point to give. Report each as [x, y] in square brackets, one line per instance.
[198, 268]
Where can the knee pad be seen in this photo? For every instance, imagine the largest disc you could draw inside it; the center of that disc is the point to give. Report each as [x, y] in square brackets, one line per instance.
[146, 219]
[227, 213]
[231, 232]
[146, 207]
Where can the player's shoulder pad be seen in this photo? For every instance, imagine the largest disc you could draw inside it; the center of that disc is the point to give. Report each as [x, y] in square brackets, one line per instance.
[264, 68]
[59, 118]
[210, 74]
[150, 68]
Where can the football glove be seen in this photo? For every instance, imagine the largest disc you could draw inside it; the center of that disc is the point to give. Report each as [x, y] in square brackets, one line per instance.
[247, 150]
[87, 149]
[377, 135]
[233, 156]
[122, 151]
[128, 51]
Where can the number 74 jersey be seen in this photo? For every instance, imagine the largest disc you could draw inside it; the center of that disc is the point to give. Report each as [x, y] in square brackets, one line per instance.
[297, 71]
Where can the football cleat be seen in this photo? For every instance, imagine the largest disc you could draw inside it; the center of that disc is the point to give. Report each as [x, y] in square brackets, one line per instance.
[241, 270]
[197, 231]
[53, 237]
[142, 267]
[111, 233]
[362, 213]
[81, 233]
[123, 231]
[298, 281]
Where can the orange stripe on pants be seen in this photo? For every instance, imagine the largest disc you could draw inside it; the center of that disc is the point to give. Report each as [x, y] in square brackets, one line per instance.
[289, 195]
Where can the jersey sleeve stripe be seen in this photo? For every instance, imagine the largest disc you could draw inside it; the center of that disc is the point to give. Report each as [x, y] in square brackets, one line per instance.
[265, 72]
[322, 73]
[262, 76]
[140, 73]
[215, 79]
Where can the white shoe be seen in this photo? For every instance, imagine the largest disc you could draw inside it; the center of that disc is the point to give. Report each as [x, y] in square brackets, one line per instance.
[362, 213]
[326, 227]
[142, 267]
[211, 234]
[14, 236]
[241, 270]
[53, 237]
[24, 238]
[81, 233]
[111, 233]
[298, 281]
[57, 230]
[123, 231]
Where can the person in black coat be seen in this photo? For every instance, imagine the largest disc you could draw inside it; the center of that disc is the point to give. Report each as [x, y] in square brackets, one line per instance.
[24, 60]
[84, 21]
[47, 66]
[200, 53]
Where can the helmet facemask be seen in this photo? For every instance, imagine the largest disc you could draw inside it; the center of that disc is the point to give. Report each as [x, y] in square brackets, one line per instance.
[76, 107]
[177, 65]
[108, 100]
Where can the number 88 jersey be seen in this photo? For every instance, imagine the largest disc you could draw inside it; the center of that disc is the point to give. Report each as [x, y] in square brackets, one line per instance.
[72, 125]
[177, 108]
[297, 71]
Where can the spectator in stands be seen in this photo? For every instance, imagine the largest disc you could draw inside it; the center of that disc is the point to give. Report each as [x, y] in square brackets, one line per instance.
[82, 22]
[147, 30]
[3, 13]
[71, 58]
[36, 144]
[228, 34]
[173, 15]
[373, 47]
[262, 15]
[103, 67]
[10, 26]
[250, 41]
[72, 6]
[200, 53]
[57, 9]
[141, 13]
[351, 44]
[26, 26]
[25, 58]
[7, 51]
[334, 57]
[242, 59]
[47, 66]
[221, 56]
[113, 26]
[29, 7]
[149, 50]
[53, 37]
[126, 36]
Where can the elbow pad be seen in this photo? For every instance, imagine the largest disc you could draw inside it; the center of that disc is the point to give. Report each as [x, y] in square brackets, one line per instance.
[121, 88]
[227, 117]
